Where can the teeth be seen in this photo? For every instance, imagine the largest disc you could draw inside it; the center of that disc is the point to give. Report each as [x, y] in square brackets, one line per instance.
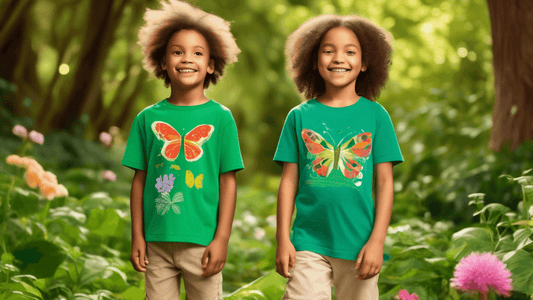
[186, 71]
[339, 70]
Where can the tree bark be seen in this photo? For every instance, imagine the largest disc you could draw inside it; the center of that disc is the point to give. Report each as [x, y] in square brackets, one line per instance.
[512, 35]
[82, 97]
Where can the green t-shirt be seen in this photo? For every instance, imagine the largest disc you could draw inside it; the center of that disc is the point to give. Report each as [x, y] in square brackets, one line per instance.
[184, 149]
[336, 150]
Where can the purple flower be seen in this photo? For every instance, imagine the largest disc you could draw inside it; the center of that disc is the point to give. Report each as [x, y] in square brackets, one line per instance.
[20, 131]
[165, 184]
[106, 139]
[478, 272]
[36, 137]
[108, 175]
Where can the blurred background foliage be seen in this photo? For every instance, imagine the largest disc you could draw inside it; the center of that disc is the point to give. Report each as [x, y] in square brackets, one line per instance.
[72, 69]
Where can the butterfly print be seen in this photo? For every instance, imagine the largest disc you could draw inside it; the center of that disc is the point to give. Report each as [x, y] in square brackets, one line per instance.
[192, 143]
[347, 157]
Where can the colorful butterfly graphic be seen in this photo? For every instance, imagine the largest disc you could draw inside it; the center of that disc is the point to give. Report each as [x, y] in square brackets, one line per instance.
[159, 165]
[192, 142]
[348, 157]
[194, 182]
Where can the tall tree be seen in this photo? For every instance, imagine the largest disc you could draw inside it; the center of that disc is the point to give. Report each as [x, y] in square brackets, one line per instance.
[512, 35]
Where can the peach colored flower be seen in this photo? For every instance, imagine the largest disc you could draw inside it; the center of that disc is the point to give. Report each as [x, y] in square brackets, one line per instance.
[20, 131]
[36, 176]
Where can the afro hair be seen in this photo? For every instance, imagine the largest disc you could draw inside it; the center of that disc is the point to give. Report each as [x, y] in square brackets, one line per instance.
[178, 15]
[301, 51]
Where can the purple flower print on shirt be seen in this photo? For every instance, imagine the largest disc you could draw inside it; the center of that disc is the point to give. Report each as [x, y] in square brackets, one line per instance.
[165, 184]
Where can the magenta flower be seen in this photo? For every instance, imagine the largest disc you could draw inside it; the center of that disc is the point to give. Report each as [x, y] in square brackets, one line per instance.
[20, 131]
[36, 137]
[108, 175]
[404, 295]
[106, 139]
[478, 272]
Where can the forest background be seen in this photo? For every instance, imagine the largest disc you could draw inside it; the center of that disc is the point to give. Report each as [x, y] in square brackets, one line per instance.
[72, 69]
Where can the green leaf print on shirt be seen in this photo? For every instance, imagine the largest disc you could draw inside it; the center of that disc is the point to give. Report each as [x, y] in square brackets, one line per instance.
[164, 203]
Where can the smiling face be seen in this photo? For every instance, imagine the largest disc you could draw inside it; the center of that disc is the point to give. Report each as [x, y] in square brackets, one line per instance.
[186, 59]
[339, 58]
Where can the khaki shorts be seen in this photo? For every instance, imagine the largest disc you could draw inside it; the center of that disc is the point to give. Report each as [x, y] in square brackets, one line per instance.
[314, 274]
[168, 263]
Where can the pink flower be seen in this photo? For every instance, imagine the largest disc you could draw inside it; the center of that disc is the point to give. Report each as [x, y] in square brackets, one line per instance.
[20, 131]
[478, 272]
[404, 295]
[109, 175]
[36, 137]
[106, 139]
[259, 233]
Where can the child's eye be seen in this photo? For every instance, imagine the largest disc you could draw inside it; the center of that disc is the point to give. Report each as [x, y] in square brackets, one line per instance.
[198, 53]
[328, 51]
[177, 52]
[351, 52]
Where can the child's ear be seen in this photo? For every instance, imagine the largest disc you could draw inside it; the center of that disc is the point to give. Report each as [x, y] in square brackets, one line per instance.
[211, 66]
[163, 63]
[363, 67]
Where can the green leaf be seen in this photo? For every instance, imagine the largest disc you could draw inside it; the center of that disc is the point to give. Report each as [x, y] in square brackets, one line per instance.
[106, 223]
[269, 286]
[468, 240]
[495, 210]
[67, 212]
[93, 268]
[520, 263]
[23, 202]
[39, 258]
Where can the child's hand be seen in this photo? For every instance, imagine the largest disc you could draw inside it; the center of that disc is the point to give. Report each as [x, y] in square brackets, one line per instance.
[370, 260]
[285, 258]
[138, 254]
[214, 257]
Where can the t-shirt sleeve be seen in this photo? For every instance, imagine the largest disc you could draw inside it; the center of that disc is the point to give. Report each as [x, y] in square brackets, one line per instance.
[230, 157]
[287, 150]
[385, 145]
[135, 154]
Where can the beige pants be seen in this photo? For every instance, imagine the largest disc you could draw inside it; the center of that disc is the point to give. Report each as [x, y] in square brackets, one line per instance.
[168, 263]
[313, 275]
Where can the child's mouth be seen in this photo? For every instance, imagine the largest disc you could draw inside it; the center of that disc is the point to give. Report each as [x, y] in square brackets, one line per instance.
[339, 70]
[186, 71]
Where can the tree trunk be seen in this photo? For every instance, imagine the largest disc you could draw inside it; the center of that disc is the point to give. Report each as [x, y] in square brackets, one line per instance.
[512, 35]
[83, 94]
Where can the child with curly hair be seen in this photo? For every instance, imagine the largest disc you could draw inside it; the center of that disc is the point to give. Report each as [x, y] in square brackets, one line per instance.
[330, 148]
[185, 152]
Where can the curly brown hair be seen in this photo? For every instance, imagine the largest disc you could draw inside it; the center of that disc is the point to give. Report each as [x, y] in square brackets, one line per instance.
[178, 15]
[301, 51]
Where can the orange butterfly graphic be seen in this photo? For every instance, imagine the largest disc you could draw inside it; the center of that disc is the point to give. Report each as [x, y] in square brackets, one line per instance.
[348, 156]
[192, 143]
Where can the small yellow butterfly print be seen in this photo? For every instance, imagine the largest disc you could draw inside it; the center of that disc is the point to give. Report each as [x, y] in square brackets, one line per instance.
[191, 181]
[159, 165]
[175, 167]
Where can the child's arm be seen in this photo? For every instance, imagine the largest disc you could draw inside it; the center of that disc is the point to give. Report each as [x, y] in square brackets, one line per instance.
[214, 257]
[138, 246]
[370, 258]
[288, 187]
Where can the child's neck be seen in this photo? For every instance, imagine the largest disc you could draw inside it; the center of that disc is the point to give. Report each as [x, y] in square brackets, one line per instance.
[187, 97]
[338, 97]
